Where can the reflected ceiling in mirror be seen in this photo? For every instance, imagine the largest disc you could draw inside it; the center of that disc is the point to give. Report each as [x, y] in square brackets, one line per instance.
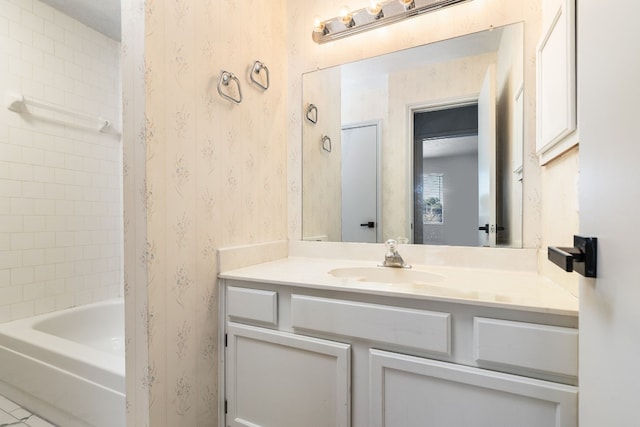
[371, 186]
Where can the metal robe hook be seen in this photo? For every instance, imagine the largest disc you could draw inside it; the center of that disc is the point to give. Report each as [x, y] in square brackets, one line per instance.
[312, 114]
[326, 143]
[225, 78]
[256, 69]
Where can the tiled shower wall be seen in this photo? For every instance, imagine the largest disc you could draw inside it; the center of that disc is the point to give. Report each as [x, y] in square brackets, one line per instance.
[60, 184]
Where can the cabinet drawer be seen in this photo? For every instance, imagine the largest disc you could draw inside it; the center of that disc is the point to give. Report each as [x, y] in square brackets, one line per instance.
[419, 329]
[252, 305]
[543, 348]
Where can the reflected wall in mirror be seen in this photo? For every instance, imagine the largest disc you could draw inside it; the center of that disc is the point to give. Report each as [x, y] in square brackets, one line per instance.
[427, 145]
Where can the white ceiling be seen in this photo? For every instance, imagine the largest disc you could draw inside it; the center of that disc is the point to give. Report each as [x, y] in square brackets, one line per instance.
[444, 147]
[101, 15]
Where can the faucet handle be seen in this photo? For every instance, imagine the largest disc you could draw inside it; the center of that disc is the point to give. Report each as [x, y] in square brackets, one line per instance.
[391, 244]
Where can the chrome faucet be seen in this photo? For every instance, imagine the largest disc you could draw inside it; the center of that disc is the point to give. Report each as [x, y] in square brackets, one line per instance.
[392, 258]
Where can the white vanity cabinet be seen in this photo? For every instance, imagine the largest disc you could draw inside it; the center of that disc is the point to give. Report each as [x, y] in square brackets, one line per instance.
[303, 356]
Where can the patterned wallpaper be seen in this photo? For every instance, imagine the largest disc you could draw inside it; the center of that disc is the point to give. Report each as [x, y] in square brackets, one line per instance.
[200, 173]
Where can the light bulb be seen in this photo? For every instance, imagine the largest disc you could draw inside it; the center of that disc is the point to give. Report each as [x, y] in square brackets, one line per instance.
[375, 9]
[319, 26]
[346, 18]
[408, 4]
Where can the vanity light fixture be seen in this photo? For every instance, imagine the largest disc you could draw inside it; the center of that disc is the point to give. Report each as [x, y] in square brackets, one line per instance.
[376, 14]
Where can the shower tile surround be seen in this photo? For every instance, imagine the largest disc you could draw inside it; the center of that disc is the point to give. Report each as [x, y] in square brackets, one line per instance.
[60, 186]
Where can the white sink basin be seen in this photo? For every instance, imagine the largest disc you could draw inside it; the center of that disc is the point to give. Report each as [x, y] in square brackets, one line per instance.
[386, 275]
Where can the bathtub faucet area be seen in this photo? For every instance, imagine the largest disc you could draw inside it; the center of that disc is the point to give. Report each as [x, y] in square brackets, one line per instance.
[393, 258]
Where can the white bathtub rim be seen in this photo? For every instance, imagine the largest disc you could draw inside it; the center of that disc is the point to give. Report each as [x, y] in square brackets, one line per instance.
[102, 368]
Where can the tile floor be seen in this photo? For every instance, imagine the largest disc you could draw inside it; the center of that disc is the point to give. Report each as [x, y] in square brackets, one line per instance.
[11, 414]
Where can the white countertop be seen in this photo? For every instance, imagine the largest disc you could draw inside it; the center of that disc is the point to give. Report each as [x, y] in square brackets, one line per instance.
[516, 290]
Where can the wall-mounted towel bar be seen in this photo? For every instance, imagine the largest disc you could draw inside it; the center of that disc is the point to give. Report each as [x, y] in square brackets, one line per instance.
[18, 103]
[256, 69]
[226, 78]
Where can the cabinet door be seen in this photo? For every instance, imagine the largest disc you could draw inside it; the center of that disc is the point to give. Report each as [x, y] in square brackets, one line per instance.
[279, 379]
[409, 391]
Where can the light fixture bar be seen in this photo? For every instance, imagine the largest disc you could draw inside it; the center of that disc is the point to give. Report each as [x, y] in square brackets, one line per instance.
[362, 20]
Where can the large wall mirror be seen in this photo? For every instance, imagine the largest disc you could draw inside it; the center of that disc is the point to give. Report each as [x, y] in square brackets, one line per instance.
[423, 144]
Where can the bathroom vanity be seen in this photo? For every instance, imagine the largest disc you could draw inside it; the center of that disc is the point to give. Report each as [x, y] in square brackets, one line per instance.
[326, 342]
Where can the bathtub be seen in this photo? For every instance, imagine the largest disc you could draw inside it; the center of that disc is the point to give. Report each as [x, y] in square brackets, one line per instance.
[67, 366]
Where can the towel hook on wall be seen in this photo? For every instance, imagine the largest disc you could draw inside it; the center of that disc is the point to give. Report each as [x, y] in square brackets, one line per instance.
[225, 78]
[312, 114]
[258, 66]
[326, 143]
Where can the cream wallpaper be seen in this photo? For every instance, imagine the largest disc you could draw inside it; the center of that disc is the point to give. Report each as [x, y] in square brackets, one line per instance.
[200, 173]
[305, 55]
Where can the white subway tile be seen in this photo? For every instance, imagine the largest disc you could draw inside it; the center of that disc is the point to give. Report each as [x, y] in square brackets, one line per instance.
[54, 287]
[33, 257]
[19, 136]
[73, 284]
[21, 275]
[65, 301]
[73, 162]
[56, 223]
[33, 291]
[5, 206]
[43, 174]
[53, 159]
[10, 294]
[10, 188]
[54, 255]
[64, 270]
[5, 243]
[54, 191]
[33, 156]
[44, 11]
[32, 21]
[32, 190]
[5, 313]
[4, 26]
[22, 310]
[45, 305]
[54, 95]
[64, 208]
[84, 297]
[44, 272]
[11, 224]
[73, 253]
[5, 171]
[34, 223]
[44, 207]
[64, 238]
[75, 223]
[44, 239]
[63, 176]
[21, 241]
[5, 278]
[21, 172]
[21, 206]
[20, 33]
[73, 192]
[11, 153]
[32, 55]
